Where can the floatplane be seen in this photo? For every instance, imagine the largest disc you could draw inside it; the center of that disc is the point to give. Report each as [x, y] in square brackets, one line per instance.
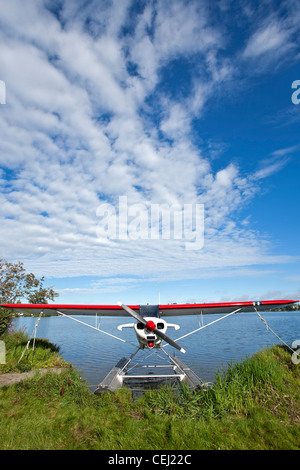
[150, 328]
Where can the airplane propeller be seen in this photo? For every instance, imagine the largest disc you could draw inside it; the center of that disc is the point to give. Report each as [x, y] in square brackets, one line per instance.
[151, 327]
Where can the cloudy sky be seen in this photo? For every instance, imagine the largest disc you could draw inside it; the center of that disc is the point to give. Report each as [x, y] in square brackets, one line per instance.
[162, 102]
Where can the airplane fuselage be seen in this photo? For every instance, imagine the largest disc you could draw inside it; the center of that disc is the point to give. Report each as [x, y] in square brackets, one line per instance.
[145, 333]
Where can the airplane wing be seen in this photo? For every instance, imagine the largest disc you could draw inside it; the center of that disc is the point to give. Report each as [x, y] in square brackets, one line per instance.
[223, 307]
[164, 310]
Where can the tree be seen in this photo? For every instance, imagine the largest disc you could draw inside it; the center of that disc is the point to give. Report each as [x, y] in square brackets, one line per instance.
[17, 285]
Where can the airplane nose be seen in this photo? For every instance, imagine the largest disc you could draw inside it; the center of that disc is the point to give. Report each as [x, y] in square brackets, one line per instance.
[150, 325]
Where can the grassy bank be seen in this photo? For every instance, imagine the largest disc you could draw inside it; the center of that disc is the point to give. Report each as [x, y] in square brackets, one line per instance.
[253, 405]
[19, 358]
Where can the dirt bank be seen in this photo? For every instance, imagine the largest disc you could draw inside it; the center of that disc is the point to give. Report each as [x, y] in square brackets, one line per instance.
[14, 377]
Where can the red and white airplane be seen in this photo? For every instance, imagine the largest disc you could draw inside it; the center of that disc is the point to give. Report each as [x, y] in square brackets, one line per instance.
[150, 327]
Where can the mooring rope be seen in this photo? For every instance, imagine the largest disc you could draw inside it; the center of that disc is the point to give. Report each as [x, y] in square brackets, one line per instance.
[33, 334]
[269, 328]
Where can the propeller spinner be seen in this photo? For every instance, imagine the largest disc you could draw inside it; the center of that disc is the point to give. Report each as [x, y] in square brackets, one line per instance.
[151, 327]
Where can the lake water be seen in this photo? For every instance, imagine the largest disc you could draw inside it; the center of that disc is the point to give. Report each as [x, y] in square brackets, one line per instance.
[207, 351]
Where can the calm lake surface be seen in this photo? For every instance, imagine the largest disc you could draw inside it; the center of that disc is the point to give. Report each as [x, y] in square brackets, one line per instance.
[207, 351]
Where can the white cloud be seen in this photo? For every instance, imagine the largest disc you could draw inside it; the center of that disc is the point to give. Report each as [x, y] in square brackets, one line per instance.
[274, 40]
[275, 162]
[269, 169]
[78, 130]
[177, 123]
[267, 39]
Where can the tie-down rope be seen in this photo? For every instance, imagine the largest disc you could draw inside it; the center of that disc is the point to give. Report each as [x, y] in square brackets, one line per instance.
[280, 339]
[33, 334]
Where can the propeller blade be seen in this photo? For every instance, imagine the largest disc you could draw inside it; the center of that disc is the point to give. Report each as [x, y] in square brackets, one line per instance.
[139, 318]
[134, 314]
[169, 340]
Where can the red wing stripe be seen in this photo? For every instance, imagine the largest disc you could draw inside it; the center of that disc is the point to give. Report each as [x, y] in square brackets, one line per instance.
[165, 310]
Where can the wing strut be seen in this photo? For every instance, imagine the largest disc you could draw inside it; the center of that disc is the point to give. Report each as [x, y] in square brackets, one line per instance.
[94, 328]
[201, 327]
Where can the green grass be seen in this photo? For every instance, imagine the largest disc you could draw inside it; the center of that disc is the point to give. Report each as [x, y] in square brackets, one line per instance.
[44, 354]
[254, 404]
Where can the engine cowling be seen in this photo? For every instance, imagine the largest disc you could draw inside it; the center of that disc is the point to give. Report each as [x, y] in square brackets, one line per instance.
[146, 335]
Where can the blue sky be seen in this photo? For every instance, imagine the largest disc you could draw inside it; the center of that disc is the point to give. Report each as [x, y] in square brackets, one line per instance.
[164, 102]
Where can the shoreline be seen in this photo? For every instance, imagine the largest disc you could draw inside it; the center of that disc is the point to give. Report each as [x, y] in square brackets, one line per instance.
[11, 378]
